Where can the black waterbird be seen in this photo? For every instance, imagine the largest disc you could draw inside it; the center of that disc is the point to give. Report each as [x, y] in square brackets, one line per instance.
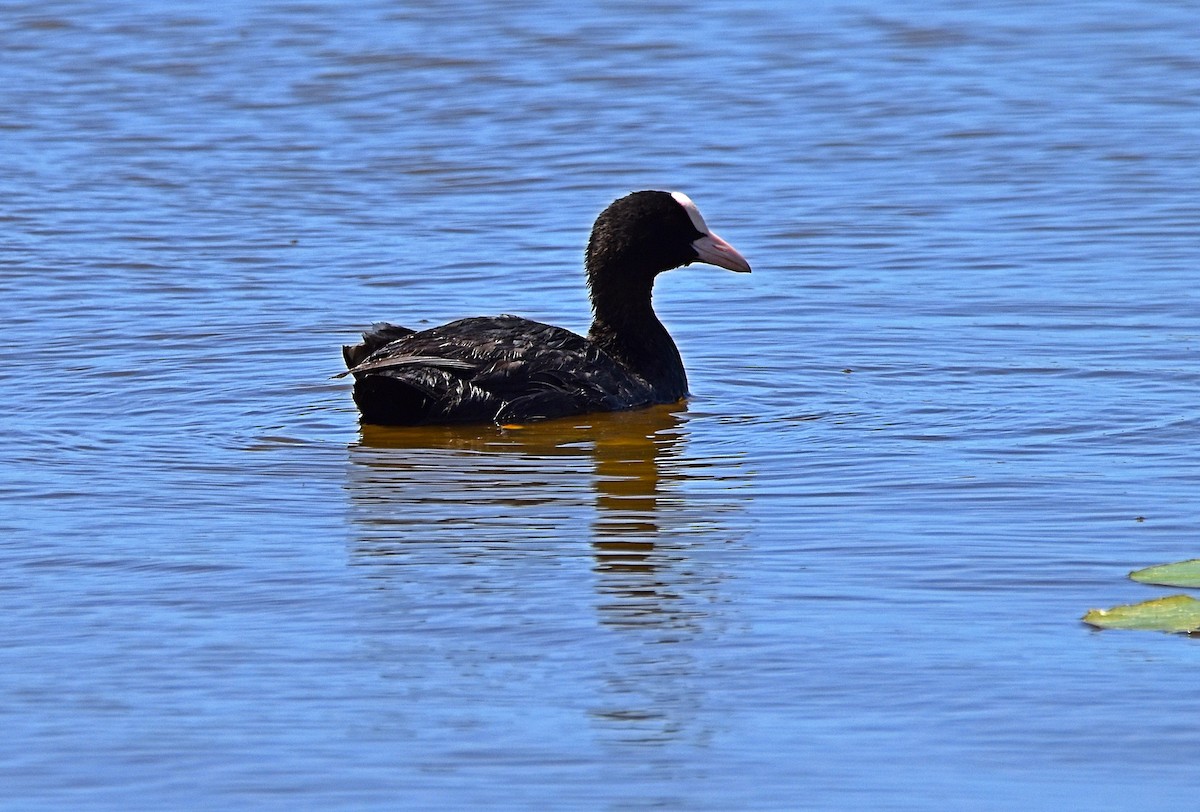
[507, 370]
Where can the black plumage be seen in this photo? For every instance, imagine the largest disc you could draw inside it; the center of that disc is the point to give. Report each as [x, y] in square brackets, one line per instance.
[507, 369]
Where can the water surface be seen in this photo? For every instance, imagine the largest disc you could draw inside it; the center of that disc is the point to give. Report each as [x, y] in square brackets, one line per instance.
[953, 405]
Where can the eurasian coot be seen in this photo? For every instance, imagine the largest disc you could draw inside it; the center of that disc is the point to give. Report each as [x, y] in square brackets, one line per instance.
[508, 369]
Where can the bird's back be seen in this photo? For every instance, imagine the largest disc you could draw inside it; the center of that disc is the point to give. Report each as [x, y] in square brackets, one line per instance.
[504, 369]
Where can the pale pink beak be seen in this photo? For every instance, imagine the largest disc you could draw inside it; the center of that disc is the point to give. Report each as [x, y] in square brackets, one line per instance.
[713, 250]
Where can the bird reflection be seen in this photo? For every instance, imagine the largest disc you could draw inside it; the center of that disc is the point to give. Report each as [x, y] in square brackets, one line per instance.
[496, 486]
[502, 500]
[629, 483]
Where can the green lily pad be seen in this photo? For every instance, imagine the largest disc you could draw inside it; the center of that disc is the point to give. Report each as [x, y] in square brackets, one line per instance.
[1176, 613]
[1183, 573]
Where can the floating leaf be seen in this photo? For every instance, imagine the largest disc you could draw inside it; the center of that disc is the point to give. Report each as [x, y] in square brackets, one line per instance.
[1183, 573]
[1177, 613]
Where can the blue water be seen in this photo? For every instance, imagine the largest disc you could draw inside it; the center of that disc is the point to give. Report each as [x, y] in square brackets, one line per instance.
[952, 407]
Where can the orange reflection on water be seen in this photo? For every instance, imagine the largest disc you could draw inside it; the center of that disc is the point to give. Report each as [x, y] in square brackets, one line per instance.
[621, 481]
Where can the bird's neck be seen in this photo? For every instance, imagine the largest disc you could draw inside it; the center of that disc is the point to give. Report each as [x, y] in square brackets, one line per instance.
[625, 326]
